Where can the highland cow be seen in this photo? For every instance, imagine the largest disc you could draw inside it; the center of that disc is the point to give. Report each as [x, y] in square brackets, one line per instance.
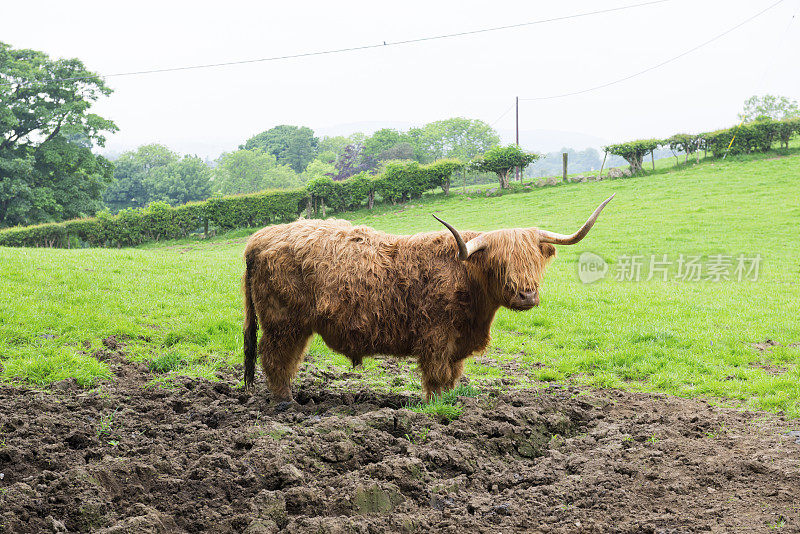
[431, 296]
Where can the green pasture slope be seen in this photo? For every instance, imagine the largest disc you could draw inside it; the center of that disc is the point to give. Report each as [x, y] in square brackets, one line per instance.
[177, 305]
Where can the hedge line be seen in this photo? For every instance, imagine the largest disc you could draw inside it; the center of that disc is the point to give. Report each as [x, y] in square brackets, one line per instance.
[743, 139]
[160, 221]
[399, 181]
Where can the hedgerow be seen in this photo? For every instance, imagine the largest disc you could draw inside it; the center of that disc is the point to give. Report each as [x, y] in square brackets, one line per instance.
[160, 221]
[399, 181]
[745, 138]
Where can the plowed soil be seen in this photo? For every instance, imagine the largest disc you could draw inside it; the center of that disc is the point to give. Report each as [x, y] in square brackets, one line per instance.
[207, 457]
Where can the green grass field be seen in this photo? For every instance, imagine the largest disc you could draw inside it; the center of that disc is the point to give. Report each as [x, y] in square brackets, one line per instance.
[177, 305]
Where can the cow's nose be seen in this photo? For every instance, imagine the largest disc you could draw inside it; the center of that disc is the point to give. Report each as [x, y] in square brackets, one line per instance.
[530, 297]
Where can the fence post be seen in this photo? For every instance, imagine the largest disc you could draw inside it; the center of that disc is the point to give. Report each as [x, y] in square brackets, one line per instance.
[205, 228]
[653, 159]
[564, 157]
[605, 155]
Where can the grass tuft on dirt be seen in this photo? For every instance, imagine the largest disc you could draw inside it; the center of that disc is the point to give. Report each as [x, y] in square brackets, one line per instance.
[447, 404]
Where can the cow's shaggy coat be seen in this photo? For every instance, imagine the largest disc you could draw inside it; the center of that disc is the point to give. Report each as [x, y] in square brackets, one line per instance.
[366, 292]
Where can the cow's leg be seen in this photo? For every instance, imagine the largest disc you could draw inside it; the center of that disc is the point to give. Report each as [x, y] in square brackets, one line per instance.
[282, 347]
[439, 375]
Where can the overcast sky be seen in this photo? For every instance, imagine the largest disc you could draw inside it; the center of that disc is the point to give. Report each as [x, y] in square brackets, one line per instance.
[208, 111]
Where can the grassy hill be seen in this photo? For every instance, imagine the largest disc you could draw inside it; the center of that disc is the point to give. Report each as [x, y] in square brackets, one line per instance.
[177, 305]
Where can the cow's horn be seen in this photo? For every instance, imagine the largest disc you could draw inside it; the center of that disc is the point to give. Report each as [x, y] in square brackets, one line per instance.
[465, 250]
[561, 239]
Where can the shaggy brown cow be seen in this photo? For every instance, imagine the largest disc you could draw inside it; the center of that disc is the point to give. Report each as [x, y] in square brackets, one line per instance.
[366, 292]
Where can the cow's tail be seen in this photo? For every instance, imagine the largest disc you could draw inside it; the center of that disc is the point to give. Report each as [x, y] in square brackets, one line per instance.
[250, 324]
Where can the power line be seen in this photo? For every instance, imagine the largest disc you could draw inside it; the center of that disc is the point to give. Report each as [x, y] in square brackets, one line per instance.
[654, 67]
[503, 115]
[356, 48]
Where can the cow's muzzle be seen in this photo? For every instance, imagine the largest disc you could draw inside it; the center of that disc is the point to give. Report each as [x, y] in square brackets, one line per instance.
[525, 300]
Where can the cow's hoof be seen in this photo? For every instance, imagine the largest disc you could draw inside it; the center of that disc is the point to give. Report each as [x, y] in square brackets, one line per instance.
[284, 405]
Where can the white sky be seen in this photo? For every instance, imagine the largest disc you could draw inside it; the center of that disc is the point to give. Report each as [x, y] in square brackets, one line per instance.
[208, 111]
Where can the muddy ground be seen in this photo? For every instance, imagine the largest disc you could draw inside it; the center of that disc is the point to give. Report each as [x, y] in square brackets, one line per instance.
[206, 457]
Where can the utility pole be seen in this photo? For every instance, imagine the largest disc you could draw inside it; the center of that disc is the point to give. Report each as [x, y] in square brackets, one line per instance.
[516, 171]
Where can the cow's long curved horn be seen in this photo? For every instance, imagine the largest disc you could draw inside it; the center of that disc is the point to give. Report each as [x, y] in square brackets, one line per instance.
[562, 239]
[465, 250]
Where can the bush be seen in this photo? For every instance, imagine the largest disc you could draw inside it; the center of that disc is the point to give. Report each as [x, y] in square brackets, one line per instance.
[245, 211]
[501, 160]
[160, 221]
[752, 136]
[403, 180]
[440, 172]
[355, 190]
[634, 152]
[686, 143]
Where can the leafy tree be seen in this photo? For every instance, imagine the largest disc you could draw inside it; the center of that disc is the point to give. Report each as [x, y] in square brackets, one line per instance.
[249, 171]
[180, 181]
[399, 151]
[319, 169]
[47, 169]
[458, 138]
[686, 143]
[327, 156]
[501, 160]
[769, 107]
[323, 193]
[334, 144]
[57, 180]
[439, 172]
[291, 145]
[786, 129]
[353, 161]
[130, 188]
[383, 140]
[634, 151]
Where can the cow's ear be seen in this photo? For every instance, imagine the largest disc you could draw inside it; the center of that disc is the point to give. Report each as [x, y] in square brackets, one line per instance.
[548, 250]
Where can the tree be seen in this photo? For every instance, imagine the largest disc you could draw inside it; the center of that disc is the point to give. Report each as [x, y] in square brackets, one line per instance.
[326, 156]
[686, 143]
[769, 106]
[439, 172]
[399, 151]
[47, 169]
[180, 181]
[458, 138]
[291, 145]
[59, 180]
[353, 161]
[501, 160]
[332, 144]
[319, 169]
[250, 171]
[383, 140]
[634, 151]
[130, 188]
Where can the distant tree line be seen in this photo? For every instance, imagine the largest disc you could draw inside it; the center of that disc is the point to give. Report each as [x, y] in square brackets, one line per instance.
[286, 157]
